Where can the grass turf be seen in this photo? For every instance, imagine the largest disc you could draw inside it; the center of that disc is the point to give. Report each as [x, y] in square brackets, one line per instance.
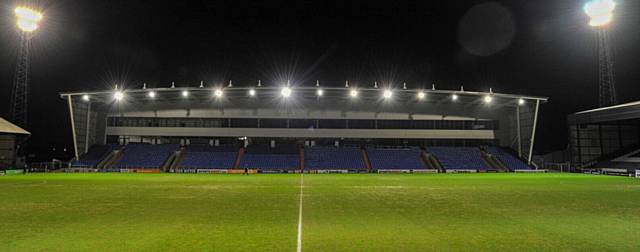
[465, 212]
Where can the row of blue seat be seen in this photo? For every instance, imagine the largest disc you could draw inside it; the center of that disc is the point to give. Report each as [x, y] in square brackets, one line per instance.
[317, 158]
[512, 162]
[288, 158]
[146, 155]
[459, 158]
[208, 157]
[270, 161]
[389, 159]
[94, 155]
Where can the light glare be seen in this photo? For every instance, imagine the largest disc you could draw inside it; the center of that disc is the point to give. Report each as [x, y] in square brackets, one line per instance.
[600, 12]
[152, 94]
[320, 92]
[286, 92]
[488, 99]
[252, 92]
[387, 94]
[354, 93]
[521, 101]
[454, 97]
[185, 93]
[218, 93]
[421, 95]
[85, 97]
[118, 95]
[28, 19]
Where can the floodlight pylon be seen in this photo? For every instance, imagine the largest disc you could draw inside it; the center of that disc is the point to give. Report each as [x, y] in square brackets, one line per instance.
[20, 92]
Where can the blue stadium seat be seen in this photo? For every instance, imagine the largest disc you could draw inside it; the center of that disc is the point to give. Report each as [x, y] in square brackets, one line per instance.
[145, 155]
[512, 162]
[318, 158]
[207, 157]
[266, 158]
[95, 154]
[459, 158]
[406, 159]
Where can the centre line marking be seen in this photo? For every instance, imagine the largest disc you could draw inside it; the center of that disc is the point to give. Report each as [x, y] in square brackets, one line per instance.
[299, 249]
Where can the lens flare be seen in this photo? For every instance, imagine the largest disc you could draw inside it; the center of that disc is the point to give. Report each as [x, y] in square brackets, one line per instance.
[28, 19]
[600, 12]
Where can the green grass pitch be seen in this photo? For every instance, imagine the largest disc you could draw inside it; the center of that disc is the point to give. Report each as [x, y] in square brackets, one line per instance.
[359, 212]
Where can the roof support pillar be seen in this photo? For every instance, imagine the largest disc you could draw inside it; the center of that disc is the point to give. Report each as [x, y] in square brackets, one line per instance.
[533, 132]
[518, 131]
[86, 136]
[73, 127]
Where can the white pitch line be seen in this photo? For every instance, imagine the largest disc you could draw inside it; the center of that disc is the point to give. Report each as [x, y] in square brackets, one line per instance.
[299, 249]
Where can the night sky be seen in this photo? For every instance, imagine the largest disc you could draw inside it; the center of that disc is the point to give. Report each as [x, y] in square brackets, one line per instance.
[542, 47]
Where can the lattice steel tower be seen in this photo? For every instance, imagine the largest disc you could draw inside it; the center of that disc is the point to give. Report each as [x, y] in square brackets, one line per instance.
[20, 93]
[27, 21]
[607, 77]
[601, 14]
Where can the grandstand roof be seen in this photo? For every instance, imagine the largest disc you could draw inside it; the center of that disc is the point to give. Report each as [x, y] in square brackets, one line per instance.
[619, 112]
[7, 127]
[299, 92]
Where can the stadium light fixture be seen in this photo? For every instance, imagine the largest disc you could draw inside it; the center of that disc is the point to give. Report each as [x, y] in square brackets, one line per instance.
[454, 97]
[353, 93]
[421, 95]
[320, 92]
[387, 94]
[218, 93]
[28, 19]
[185, 93]
[118, 95]
[85, 97]
[151, 94]
[488, 99]
[600, 12]
[521, 102]
[252, 92]
[286, 92]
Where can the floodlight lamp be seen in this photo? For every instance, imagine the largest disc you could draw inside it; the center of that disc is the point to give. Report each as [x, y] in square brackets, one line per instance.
[85, 97]
[118, 95]
[454, 97]
[286, 92]
[151, 94]
[320, 92]
[521, 101]
[421, 95]
[252, 92]
[488, 99]
[185, 93]
[28, 19]
[387, 94]
[600, 12]
[218, 93]
[354, 93]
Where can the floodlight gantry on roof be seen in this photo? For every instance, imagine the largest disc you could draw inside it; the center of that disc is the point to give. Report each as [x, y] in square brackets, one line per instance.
[300, 93]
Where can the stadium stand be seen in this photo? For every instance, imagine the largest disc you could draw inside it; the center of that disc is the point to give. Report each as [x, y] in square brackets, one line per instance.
[404, 159]
[142, 156]
[512, 162]
[263, 157]
[619, 165]
[333, 158]
[95, 154]
[459, 158]
[624, 164]
[207, 157]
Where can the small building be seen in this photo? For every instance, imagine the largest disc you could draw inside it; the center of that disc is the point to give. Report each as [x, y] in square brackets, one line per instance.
[10, 137]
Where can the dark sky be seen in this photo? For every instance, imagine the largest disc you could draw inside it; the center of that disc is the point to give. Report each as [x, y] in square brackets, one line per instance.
[542, 47]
